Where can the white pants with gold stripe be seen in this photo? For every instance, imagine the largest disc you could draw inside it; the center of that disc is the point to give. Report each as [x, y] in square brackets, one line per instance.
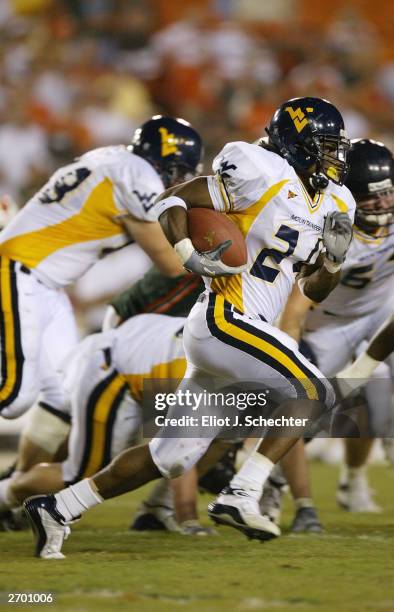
[37, 330]
[221, 342]
[105, 418]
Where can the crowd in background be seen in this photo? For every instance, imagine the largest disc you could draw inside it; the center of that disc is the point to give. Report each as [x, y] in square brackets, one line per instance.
[76, 75]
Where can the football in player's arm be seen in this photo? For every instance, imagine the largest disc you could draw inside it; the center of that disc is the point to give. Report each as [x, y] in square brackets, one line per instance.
[316, 281]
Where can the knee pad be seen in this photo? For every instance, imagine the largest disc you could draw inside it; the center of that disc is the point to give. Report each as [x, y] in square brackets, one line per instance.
[46, 429]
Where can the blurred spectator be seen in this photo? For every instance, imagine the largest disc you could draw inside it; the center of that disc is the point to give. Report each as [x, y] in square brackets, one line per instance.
[76, 74]
[24, 154]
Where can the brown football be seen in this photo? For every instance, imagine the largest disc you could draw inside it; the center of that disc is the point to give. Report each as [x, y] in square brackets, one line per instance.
[209, 228]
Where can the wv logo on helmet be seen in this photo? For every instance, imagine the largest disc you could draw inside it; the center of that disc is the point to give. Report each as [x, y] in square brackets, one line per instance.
[169, 144]
[298, 117]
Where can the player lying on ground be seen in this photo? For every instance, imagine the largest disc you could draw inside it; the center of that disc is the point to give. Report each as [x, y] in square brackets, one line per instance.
[104, 376]
[348, 318]
[271, 191]
[154, 292]
[96, 204]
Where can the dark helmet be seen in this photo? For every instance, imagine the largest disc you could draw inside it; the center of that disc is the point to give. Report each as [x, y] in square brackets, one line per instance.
[172, 146]
[371, 181]
[310, 134]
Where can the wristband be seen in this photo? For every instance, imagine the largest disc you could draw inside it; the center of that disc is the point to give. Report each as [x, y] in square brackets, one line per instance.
[169, 202]
[184, 249]
[331, 266]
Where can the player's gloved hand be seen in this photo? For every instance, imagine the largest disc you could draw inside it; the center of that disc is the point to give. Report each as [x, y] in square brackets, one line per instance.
[111, 319]
[337, 236]
[207, 263]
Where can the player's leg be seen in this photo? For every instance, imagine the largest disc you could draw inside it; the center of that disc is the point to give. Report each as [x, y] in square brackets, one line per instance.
[296, 471]
[20, 342]
[172, 456]
[20, 339]
[172, 504]
[240, 349]
[49, 422]
[164, 456]
[354, 493]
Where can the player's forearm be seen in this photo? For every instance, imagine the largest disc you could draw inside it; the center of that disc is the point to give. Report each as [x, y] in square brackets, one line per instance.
[174, 224]
[357, 374]
[383, 342]
[318, 285]
[293, 316]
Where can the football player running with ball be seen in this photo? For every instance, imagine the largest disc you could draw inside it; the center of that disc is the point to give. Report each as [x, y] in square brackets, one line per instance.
[288, 199]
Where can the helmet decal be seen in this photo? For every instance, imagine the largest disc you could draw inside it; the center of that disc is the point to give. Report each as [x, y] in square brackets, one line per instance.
[172, 146]
[298, 117]
[168, 142]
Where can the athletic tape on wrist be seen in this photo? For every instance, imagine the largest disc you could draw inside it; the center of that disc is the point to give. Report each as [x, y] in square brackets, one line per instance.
[184, 249]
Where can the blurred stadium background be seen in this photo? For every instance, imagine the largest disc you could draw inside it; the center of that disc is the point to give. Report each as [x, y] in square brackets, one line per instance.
[79, 74]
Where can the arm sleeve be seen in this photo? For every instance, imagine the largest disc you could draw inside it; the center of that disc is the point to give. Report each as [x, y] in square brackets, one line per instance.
[136, 190]
[157, 293]
[242, 173]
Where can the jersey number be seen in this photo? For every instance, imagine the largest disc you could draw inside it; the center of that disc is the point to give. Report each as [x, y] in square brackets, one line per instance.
[268, 273]
[68, 182]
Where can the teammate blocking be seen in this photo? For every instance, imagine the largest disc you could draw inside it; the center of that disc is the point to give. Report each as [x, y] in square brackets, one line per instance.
[94, 205]
[99, 203]
[288, 199]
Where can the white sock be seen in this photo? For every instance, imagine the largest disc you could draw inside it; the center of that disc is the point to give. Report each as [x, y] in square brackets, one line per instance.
[252, 475]
[76, 499]
[5, 502]
[357, 473]
[304, 502]
[343, 474]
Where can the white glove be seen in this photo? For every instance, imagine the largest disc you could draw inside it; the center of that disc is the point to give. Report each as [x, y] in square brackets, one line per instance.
[337, 236]
[111, 319]
[207, 263]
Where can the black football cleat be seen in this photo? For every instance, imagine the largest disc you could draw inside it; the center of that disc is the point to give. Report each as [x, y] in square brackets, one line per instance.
[235, 508]
[49, 526]
[151, 517]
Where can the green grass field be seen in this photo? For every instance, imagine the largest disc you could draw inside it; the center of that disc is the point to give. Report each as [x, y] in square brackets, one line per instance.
[350, 567]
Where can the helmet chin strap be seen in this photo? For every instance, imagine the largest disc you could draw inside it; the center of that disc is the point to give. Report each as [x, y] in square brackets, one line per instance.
[318, 181]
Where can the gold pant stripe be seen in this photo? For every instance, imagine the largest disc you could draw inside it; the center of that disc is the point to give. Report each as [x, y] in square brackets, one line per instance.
[12, 355]
[263, 346]
[105, 403]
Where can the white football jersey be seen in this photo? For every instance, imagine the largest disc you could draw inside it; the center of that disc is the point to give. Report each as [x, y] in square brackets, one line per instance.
[148, 346]
[367, 277]
[75, 218]
[281, 223]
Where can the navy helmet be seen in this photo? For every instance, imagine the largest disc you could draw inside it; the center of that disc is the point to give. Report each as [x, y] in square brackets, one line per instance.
[310, 134]
[371, 181]
[172, 146]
